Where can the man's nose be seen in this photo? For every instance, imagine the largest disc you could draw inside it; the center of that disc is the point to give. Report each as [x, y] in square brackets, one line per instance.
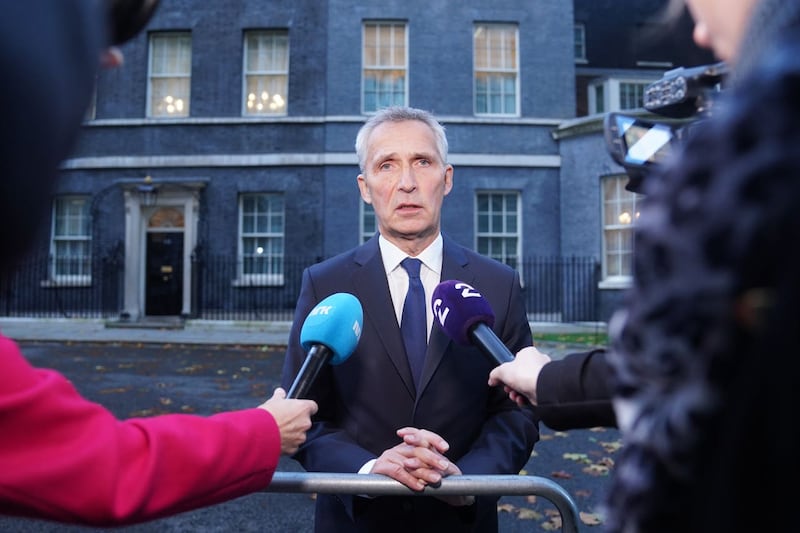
[408, 179]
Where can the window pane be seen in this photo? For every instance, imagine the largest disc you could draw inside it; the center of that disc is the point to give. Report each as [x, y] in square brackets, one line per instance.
[619, 215]
[368, 224]
[384, 57]
[580, 41]
[631, 95]
[495, 50]
[262, 234]
[266, 76]
[71, 237]
[170, 74]
[600, 98]
[497, 226]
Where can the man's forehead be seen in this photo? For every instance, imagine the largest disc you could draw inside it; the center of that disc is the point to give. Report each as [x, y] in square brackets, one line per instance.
[396, 138]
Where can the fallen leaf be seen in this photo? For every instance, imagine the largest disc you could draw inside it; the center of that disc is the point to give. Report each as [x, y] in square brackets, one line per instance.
[596, 470]
[606, 461]
[505, 508]
[577, 457]
[612, 446]
[528, 514]
[554, 524]
[591, 519]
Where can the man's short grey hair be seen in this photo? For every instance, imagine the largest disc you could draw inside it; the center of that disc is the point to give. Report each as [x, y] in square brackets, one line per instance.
[400, 114]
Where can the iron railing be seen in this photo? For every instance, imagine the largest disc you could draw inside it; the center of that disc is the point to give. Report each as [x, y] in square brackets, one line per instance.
[378, 485]
[555, 289]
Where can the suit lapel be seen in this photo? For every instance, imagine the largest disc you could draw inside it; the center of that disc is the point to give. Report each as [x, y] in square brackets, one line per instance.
[372, 289]
[454, 266]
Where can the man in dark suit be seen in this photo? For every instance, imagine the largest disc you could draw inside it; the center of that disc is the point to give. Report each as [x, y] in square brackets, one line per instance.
[373, 417]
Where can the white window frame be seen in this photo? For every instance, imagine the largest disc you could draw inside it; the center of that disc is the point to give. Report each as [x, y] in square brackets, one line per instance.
[174, 49]
[367, 223]
[500, 64]
[265, 79]
[491, 237]
[619, 212]
[612, 91]
[580, 43]
[273, 237]
[71, 240]
[387, 63]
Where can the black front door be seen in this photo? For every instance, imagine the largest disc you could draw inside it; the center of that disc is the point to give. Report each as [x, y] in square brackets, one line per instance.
[164, 288]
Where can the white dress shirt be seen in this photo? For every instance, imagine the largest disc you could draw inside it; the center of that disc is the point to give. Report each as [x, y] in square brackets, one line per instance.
[430, 273]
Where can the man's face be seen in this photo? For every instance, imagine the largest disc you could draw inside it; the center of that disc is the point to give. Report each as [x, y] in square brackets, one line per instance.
[405, 181]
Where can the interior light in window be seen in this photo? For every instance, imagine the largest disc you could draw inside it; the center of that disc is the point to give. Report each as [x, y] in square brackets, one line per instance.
[172, 104]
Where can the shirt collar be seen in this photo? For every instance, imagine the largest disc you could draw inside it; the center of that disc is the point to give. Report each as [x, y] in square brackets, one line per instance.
[431, 256]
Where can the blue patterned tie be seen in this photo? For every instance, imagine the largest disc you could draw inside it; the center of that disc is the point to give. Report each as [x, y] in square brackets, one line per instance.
[413, 324]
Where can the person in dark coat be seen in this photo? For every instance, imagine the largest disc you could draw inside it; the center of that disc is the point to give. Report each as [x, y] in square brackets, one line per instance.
[62, 457]
[573, 392]
[704, 348]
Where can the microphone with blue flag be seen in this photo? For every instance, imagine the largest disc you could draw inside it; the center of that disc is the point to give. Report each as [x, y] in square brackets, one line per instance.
[467, 318]
[330, 333]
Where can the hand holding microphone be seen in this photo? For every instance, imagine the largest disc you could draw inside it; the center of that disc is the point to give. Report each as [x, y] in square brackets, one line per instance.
[330, 333]
[467, 318]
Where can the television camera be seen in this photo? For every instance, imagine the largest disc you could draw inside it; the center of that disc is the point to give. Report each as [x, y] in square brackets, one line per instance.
[683, 97]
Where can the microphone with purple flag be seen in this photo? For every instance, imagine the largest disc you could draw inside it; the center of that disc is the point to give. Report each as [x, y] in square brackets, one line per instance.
[467, 318]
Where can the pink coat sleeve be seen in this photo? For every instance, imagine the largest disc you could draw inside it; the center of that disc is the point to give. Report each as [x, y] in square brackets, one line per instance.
[65, 458]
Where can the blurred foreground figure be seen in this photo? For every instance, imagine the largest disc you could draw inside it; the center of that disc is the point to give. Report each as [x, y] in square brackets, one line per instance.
[704, 349]
[62, 457]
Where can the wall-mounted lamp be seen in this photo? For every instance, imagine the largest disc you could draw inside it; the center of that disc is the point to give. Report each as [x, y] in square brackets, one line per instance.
[148, 193]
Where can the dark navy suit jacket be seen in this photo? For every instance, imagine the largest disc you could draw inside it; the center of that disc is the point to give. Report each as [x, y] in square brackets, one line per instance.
[365, 399]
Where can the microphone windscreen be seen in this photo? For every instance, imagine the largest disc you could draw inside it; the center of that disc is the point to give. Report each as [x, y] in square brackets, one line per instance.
[334, 322]
[459, 307]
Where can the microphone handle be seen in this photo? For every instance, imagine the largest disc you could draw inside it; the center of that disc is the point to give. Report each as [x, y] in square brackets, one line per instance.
[317, 356]
[490, 344]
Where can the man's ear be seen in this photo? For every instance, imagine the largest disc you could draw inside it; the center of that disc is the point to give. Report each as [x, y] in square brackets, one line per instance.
[448, 179]
[362, 187]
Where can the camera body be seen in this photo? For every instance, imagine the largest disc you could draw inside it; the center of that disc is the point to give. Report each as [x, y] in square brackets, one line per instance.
[683, 96]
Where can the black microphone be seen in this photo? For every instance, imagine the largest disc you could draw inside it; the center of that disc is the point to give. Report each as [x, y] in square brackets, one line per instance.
[467, 318]
[330, 333]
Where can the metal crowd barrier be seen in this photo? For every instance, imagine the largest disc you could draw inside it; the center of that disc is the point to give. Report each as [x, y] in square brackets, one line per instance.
[378, 485]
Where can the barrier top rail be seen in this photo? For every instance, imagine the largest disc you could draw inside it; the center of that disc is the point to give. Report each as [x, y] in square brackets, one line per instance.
[378, 485]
